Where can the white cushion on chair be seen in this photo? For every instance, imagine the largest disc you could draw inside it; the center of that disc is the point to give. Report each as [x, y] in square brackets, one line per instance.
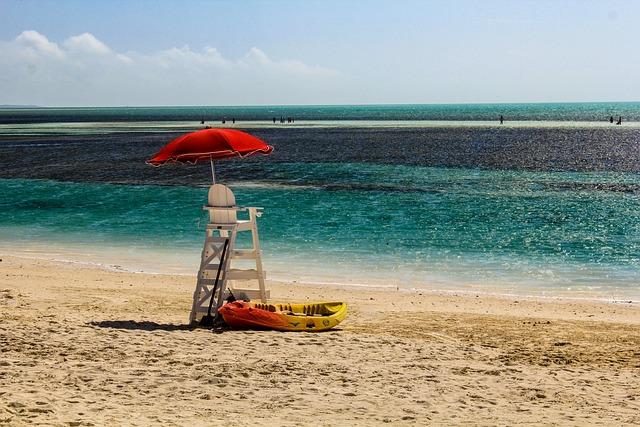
[221, 196]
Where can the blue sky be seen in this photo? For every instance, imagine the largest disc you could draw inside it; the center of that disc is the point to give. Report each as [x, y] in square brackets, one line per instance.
[317, 52]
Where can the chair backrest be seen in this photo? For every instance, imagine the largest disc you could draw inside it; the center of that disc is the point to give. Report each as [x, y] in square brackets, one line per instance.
[221, 196]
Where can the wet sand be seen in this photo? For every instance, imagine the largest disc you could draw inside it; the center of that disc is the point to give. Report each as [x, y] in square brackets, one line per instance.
[81, 345]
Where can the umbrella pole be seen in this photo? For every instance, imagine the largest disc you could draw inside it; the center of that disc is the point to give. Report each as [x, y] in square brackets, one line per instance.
[213, 171]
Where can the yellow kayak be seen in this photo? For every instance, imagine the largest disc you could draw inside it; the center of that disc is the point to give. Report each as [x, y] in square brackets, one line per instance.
[311, 317]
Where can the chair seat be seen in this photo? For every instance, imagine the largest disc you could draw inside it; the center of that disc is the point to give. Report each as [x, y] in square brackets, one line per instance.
[243, 224]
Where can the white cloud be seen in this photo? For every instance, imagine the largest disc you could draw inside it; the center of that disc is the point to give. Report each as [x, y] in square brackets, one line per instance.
[82, 70]
[184, 56]
[256, 56]
[86, 43]
[35, 43]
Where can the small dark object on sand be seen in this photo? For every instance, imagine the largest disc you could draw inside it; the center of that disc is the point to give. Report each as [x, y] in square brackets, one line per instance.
[240, 296]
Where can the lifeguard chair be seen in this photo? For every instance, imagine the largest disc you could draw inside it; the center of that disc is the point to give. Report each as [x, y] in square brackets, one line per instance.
[217, 273]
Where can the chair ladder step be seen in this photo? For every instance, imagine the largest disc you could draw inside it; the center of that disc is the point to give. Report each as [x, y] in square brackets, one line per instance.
[238, 274]
[244, 254]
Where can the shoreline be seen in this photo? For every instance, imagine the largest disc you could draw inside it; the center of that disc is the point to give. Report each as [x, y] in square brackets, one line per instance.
[531, 293]
[320, 287]
[282, 287]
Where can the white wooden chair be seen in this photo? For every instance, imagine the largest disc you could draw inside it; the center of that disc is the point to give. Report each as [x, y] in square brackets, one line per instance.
[224, 225]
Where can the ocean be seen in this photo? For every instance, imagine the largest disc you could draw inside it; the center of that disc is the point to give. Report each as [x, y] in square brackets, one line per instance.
[438, 197]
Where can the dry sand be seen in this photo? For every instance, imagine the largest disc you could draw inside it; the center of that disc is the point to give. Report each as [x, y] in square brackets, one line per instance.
[84, 346]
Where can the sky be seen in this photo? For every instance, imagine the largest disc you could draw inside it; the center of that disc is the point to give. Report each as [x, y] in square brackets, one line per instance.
[118, 53]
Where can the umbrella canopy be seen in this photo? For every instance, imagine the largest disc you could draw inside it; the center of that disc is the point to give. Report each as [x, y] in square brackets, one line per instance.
[208, 145]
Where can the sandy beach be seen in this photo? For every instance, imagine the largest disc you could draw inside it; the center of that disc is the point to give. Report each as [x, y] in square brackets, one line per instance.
[80, 345]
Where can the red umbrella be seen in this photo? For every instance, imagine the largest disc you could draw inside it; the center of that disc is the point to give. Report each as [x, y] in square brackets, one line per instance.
[210, 144]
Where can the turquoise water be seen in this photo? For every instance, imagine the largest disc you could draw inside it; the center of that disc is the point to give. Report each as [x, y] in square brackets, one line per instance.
[441, 228]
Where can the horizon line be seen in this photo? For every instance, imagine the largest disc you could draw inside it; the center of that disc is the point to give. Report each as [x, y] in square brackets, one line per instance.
[35, 106]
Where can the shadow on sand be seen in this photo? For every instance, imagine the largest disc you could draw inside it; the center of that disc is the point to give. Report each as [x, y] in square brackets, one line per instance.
[142, 326]
[153, 326]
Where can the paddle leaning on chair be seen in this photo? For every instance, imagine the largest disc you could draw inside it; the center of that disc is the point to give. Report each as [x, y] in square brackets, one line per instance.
[208, 319]
[220, 250]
